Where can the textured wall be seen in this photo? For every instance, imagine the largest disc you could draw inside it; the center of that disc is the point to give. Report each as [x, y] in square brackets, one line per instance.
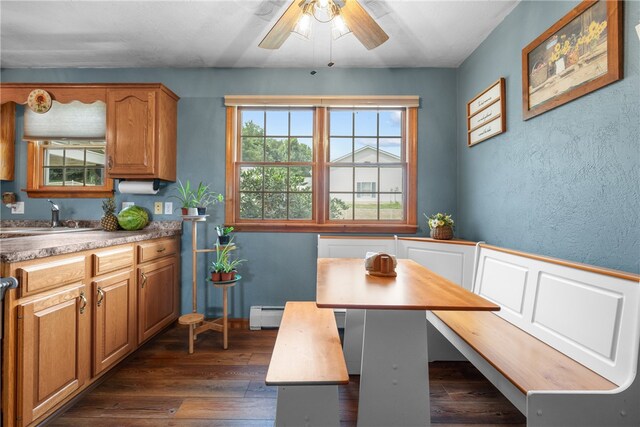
[565, 183]
[281, 266]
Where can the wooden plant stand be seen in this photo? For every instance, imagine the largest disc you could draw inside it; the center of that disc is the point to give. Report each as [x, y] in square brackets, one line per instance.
[195, 321]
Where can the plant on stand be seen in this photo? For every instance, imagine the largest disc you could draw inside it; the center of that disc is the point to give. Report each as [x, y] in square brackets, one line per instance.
[186, 196]
[224, 234]
[203, 198]
[441, 226]
[216, 271]
[224, 265]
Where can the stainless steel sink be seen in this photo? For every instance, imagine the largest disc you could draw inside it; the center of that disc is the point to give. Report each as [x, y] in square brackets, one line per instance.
[8, 232]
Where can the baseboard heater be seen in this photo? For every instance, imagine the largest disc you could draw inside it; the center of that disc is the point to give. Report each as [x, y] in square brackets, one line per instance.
[265, 317]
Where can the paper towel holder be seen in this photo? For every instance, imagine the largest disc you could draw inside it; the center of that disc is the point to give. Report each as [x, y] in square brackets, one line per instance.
[156, 182]
[154, 186]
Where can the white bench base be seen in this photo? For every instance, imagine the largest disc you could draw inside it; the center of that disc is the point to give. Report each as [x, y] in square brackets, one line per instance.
[394, 381]
[307, 405]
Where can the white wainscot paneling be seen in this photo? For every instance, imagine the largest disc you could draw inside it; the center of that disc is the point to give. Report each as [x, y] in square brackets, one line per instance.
[582, 315]
[504, 283]
[447, 264]
[353, 248]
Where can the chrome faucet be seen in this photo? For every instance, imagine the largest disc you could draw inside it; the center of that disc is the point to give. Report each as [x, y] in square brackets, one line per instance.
[55, 214]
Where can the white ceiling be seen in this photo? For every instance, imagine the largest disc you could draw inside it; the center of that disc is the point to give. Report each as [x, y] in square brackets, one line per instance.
[226, 33]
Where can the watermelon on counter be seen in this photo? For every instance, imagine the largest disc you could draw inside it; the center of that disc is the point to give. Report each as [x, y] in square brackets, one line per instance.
[133, 218]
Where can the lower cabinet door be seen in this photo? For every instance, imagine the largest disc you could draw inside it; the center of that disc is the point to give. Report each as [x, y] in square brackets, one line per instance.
[157, 296]
[114, 319]
[53, 348]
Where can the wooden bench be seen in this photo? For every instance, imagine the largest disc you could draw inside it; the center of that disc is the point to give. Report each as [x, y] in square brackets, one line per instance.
[307, 365]
[564, 347]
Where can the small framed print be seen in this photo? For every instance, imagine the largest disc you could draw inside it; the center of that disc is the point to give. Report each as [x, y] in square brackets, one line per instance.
[486, 114]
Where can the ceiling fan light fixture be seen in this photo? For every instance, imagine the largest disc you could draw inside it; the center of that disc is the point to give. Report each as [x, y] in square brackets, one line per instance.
[339, 28]
[322, 3]
[303, 26]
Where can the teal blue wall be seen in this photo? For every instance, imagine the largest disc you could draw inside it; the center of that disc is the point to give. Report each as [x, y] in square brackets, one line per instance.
[565, 183]
[281, 265]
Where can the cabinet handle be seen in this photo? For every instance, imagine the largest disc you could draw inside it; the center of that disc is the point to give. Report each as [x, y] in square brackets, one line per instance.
[161, 250]
[100, 296]
[84, 302]
[110, 162]
[144, 279]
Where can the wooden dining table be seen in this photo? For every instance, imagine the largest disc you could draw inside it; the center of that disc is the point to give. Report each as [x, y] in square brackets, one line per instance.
[394, 375]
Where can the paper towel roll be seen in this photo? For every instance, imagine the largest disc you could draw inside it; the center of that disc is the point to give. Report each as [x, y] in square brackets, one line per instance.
[137, 187]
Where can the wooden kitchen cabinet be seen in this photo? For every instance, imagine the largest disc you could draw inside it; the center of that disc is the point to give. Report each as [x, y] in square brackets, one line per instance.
[53, 337]
[142, 132]
[158, 295]
[114, 315]
[7, 141]
[75, 316]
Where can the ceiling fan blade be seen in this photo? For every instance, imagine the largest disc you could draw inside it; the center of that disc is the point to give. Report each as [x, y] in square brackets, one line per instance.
[281, 30]
[362, 25]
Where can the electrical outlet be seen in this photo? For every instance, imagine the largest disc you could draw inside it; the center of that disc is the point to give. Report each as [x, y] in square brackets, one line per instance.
[157, 208]
[168, 208]
[17, 208]
[127, 204]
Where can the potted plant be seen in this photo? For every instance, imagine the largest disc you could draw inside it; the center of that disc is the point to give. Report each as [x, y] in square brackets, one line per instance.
[203, 198]
[224, 264]
[441, 226]
[216, 271]
[224, 234]
[185, 195]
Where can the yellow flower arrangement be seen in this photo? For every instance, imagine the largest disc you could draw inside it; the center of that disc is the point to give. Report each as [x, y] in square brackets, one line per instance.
[570, 45]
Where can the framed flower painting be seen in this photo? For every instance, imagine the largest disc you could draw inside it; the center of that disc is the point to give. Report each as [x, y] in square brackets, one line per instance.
[579, 54]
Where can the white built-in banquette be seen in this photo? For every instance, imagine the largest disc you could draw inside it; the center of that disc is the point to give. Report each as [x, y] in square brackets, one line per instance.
[564, 346]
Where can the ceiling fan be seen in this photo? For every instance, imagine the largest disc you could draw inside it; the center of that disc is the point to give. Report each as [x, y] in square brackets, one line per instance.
[345, 15]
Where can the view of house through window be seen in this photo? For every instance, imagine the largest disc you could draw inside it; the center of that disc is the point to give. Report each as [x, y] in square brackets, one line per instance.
[74, 163]
[366, 164]
[322, 167]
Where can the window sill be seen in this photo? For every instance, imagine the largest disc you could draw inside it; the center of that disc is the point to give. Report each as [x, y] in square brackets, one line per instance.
[66, 193]
[325, 228]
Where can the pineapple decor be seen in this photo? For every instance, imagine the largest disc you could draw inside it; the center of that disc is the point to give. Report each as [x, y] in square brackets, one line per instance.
[109, 221]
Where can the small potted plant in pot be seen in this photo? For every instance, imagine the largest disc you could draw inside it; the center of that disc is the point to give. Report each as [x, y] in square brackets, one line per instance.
[225, 264]
[185, 195]
[216, 268]
[230, 269]
[441, 226]
[224, 234]
[209, 199]
[203, 198]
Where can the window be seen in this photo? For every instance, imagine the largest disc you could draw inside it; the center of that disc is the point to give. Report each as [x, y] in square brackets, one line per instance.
[318, 165]
[74, 164]
[66, 151]
[365, 187]
[366, 148]
[68, 169]
[276, 163]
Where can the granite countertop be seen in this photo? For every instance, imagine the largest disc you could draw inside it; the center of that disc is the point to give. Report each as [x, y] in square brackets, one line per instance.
[45, 245]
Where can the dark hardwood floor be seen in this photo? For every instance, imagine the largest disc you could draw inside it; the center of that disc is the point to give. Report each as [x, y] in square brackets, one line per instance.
[162, 385]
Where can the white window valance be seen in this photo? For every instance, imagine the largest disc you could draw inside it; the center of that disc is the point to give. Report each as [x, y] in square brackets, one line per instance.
[74, 120]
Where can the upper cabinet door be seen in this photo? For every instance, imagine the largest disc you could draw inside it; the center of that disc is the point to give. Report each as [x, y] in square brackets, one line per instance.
[131, 133]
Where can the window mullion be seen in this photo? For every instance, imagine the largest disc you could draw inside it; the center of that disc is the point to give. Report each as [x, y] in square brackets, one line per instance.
[321, 173]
